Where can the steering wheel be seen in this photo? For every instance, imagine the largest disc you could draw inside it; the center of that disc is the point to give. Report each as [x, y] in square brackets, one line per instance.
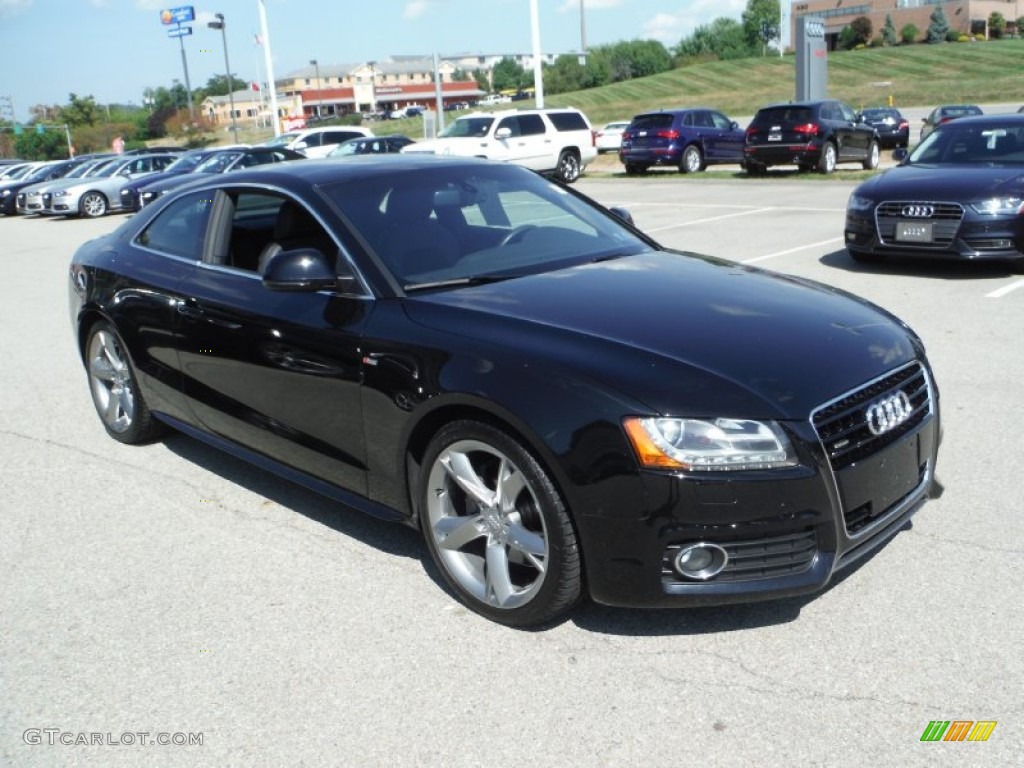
[516, 235]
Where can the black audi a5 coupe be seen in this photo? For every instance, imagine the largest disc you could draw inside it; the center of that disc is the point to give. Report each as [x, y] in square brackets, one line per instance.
[958, 195]
[563, 407]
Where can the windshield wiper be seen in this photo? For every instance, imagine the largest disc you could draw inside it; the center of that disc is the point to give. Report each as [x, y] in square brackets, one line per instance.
[457, 281]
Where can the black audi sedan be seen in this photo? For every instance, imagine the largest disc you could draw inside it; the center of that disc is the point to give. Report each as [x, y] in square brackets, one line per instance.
[958, 195]
[563, 407]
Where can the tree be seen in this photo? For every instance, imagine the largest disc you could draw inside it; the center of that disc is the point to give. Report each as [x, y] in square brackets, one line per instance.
[939, 26]
[51, 144]
[862, 30]
[756, 13]
[566, 74]
[481, 80]
[909, 33]
[218, 86]
[996, 25]
[889, 31]
[80, 111]
[723, 39]
[626, 60]
[507, 75]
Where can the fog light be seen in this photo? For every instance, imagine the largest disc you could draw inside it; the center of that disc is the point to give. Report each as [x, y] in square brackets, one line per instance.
[701, 561]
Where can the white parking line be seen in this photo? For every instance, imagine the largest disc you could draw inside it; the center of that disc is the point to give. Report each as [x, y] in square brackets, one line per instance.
[999, 293]
[705, 221]
[830, 241]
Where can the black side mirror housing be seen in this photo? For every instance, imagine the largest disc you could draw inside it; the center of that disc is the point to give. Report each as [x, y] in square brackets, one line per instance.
[304, 269]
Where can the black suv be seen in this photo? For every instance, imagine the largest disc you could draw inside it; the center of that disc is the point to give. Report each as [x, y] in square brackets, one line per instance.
[809, 134]
[691, 139]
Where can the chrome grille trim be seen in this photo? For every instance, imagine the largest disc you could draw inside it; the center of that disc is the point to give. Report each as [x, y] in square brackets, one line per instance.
[842, 428]
[945, 219]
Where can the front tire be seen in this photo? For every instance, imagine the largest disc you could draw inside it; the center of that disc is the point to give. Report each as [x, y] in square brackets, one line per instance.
[496, 526]
[568, 166]
[92, 205]
[115, 389]
[692, 160]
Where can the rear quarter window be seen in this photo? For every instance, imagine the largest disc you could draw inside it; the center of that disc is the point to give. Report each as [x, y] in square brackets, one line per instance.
[568, 121]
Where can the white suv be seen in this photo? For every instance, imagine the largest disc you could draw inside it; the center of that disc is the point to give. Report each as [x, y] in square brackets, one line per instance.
[555, 141]
[317, 142]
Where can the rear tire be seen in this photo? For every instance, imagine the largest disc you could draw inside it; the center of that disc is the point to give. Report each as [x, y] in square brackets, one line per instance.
[568, 166]
[872, 160]
[115, 388]
[692, 160]
[827, 162]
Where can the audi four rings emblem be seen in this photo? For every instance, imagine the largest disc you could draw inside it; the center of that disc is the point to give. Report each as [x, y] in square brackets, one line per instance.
[888, 413]
[918, 211]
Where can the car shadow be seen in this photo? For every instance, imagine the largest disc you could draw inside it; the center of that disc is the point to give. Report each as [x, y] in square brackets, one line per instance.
[400, 540]
[938, 269]
[392, 538]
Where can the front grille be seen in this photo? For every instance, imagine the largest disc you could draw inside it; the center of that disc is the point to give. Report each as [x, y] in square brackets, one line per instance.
[842, 425]
[945, 220]
[752, 559]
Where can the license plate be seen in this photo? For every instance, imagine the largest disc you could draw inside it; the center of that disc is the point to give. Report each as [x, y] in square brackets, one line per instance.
[914, 231]
[774, 137]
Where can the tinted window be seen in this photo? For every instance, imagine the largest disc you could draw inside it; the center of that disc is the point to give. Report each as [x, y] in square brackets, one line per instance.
[336, 137]
[784, 115]
[180, 229]
[721, 122]
[568, 121]
[531, 125]
[651, 122]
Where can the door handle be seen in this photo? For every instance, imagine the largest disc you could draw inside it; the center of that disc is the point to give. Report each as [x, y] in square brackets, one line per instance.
[189, 308]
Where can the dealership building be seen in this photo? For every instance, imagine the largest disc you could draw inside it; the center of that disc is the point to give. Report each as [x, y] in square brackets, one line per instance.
[961, 14]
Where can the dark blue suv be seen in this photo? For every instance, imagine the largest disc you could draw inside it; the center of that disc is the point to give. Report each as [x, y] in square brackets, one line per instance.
[691, 139]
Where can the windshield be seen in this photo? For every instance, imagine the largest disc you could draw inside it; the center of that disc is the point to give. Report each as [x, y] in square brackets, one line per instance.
[188, 161]
[18, 172]
[218, 162]
[39, 173]
[280, 141]
[467, 126]
[473, 223]
[955, 143]
[347, 148]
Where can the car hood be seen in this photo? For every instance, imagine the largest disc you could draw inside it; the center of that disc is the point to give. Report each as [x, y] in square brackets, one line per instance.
[683, 334]
[944, 182]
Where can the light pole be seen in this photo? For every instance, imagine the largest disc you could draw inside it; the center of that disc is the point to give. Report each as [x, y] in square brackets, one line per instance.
[219, 24]
[373, 87]
[319, 91]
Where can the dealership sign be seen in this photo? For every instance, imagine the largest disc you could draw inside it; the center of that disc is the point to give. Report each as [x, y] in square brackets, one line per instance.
[178, 15]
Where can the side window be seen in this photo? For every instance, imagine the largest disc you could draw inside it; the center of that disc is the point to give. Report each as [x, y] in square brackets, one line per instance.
[688, 119]
[180, 229]
[703, 120]
[531, 125]
[263, 224]
[568, 121]
[847, 113]
[721, 122]
[512, 123]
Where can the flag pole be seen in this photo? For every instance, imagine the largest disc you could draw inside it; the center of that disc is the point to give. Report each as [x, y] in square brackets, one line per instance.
[270, 68]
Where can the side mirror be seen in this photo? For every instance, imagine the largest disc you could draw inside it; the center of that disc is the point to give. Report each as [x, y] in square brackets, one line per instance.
[299, 145]
[503, 133]
[735, 125]
[623, 214]
[304, 269]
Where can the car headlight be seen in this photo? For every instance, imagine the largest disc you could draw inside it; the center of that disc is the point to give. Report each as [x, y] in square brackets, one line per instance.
[859, 203]
[999, 206]
[62, 193]
[710, 444]
[5, 192]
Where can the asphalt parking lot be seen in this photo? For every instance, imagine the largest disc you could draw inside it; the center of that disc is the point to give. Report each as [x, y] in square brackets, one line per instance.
[171, 589]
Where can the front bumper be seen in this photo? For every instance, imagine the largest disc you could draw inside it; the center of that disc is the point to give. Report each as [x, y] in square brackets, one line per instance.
[786, 532]
[967, 237]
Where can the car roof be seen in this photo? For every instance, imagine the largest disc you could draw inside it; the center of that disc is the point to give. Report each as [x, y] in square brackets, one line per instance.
[995, 121]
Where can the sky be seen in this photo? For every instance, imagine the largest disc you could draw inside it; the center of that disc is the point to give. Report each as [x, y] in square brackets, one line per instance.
[114, 49]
